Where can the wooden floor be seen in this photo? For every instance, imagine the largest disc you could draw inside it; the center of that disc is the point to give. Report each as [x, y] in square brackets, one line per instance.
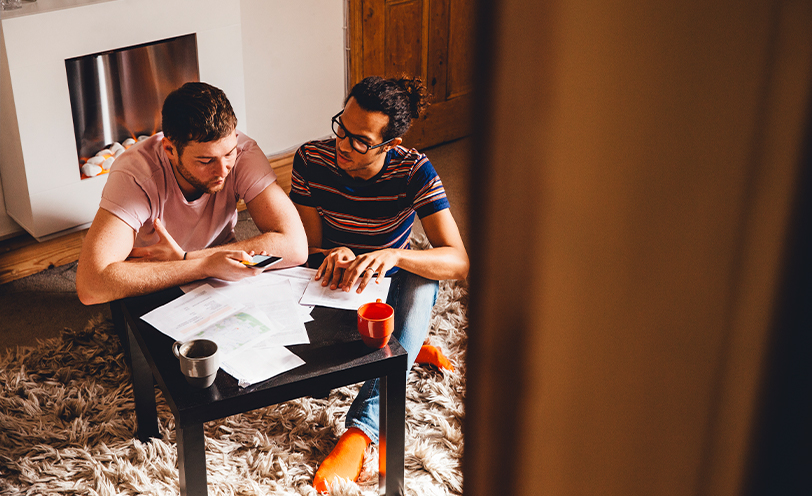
[23, 256]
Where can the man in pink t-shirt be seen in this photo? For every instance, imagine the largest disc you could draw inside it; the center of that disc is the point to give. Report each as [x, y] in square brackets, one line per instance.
[169, 207]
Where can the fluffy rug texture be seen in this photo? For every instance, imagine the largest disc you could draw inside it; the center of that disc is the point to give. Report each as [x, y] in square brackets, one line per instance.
[67, 424]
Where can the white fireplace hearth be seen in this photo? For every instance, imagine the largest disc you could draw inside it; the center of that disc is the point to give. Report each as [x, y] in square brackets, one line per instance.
[43, 187]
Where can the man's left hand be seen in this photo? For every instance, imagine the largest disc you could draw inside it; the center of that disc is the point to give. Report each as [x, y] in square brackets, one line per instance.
[365, 266]
[166, 249]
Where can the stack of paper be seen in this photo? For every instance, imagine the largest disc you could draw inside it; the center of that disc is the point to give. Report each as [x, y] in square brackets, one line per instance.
[250, 341]
[316, 294]
[254, 319]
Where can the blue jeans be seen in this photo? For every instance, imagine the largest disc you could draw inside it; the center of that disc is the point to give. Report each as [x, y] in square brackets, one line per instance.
[412, 297]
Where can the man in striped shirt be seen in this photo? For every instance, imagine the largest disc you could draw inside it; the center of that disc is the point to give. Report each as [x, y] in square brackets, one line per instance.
[357, 196]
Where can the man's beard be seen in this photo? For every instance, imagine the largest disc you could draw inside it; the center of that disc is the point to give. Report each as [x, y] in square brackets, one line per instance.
[191, 179]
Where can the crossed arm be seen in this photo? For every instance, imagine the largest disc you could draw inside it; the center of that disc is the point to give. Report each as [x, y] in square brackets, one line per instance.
[447, 259]
[110, 268]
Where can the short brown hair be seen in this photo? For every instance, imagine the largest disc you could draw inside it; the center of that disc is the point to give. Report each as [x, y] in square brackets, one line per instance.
[197, 112]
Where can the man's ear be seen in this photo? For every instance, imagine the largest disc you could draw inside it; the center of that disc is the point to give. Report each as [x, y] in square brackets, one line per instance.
[395, 142]
[169, 148]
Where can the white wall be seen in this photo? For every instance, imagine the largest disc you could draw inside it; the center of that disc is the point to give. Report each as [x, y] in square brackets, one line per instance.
[293, 54]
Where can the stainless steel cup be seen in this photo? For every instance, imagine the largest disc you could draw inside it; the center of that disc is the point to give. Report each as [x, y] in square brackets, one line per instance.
[199, 361]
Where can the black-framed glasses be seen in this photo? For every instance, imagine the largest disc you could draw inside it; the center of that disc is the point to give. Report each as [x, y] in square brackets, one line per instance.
[357, 142]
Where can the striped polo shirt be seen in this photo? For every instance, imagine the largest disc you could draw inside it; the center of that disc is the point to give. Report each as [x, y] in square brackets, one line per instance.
[366, 215]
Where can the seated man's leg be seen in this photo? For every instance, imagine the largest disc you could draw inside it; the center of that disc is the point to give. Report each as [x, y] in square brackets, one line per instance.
[412, 297]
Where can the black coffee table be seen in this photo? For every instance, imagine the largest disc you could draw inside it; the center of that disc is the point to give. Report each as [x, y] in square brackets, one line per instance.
[334, 358]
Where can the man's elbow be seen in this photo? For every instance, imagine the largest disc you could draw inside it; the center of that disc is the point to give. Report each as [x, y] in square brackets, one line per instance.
[299, 251]
[464, 267]
[88, 297]
[88, 293]
[461, 274]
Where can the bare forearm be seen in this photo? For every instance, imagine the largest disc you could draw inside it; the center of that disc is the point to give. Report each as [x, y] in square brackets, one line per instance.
[441, 263]
[291, 249]
[124, 279]
[110, 268]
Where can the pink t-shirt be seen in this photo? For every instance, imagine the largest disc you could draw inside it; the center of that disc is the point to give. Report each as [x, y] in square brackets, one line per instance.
[142, 187]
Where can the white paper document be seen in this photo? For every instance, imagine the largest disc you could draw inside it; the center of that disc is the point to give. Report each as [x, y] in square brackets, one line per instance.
[260, 362]
[186, 316]
[252, 320]
[250, 343]
[297, 277]
[276, 300]
[316, 294]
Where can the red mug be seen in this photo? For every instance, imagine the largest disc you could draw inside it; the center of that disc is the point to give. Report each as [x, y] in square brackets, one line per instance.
[376, 321]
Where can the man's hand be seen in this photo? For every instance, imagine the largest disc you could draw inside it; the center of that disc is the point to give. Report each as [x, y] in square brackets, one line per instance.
[228, 266]
[165, 250]
[332, 268]
[341, 268]
[367, 265]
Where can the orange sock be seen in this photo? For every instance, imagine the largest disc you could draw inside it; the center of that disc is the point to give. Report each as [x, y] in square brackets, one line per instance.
[344, 461]
[433, 356]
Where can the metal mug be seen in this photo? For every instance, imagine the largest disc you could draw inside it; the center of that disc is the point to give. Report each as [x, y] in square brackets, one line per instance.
[199, 361]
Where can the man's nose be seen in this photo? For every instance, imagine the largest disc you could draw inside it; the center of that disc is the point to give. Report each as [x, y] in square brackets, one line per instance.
[224, 166]
[344, 144]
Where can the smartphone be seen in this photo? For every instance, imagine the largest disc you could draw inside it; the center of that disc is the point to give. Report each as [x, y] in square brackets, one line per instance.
[260, 261]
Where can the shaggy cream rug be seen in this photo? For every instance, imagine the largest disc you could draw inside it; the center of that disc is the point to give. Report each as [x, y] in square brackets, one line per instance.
[67, 425]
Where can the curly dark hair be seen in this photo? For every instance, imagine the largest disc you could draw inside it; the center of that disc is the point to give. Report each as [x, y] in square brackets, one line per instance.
[401, 99]
[197, 112]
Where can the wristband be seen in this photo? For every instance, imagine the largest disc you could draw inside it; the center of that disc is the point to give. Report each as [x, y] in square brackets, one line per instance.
[184, 254]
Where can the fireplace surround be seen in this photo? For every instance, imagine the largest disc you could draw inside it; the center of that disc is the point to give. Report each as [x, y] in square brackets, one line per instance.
[43, 189]
[115, 96]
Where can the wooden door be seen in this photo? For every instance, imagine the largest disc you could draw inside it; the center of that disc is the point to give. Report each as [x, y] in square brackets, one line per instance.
[432, 39]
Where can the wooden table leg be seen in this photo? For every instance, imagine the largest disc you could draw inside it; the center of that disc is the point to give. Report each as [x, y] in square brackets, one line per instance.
[120, 326]
[146, 413]
[191, 460]
[392, 435]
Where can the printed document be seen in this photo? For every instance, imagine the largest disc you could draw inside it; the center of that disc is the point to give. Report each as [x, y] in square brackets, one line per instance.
[316, 294]
[297, 277]
[244, 334]
[185, 317]
[275, 300]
